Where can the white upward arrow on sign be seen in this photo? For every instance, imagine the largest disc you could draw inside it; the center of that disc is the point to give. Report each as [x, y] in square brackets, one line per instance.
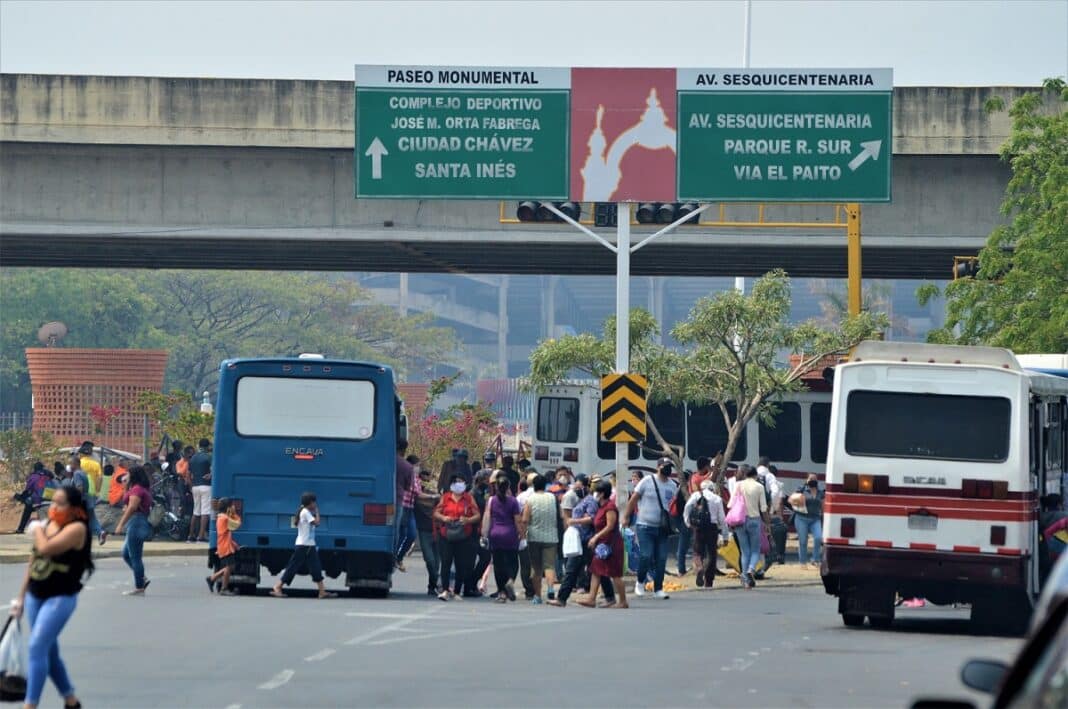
[870, 150]
[377, 150]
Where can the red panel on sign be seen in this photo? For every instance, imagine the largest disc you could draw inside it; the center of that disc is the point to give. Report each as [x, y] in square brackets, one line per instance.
[623, 135]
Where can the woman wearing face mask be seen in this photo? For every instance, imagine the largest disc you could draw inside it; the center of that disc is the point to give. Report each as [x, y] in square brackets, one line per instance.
[607, 545]
[457, 517]
[61, 559]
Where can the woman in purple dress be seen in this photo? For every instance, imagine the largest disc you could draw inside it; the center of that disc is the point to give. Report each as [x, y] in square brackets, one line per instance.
[501, 528]
[607, 545]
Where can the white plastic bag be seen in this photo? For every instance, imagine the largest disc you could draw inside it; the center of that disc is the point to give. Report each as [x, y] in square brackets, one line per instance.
[572, 542]
[13, 661]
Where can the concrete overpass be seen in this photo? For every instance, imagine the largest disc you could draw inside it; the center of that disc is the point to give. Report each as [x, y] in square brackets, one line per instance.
[226, 173]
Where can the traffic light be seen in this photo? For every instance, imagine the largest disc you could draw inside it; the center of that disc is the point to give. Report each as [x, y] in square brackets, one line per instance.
[965, 267]
[664, 212]
[530, 211]
[605, 214]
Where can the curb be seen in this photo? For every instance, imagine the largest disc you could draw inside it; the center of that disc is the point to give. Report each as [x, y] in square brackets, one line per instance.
[8, 557]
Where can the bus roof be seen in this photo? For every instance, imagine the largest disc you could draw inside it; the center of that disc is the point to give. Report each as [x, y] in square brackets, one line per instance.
[876, 351]
[306, 361]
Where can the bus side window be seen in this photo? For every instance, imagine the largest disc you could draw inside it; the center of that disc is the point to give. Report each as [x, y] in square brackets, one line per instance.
[670, 420]
[707, 434]
[819, 431]
[782, 442]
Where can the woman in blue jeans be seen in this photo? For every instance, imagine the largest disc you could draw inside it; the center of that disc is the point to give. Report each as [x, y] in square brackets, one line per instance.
[138, 501]
[810, 520]
[61, 559]
[750, 493]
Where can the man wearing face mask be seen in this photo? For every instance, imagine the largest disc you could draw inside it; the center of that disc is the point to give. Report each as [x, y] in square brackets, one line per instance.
[651, 498]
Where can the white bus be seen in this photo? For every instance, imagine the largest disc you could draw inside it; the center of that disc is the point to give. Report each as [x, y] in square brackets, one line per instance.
[938, 456]
[566, 431]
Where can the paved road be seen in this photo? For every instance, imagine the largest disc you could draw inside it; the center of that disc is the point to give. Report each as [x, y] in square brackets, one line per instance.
[178, 647]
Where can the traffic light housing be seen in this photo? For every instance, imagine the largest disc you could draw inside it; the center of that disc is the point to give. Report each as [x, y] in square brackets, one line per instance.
[531, 211]
[664, 212]
[605, 214]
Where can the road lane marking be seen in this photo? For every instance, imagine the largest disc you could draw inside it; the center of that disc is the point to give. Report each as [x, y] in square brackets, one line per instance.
[321, 655]
[278, 680]
[234, 706]
[470, 631]
[391, 627]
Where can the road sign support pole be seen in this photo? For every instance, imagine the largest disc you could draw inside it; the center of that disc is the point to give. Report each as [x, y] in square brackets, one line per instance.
[622, 327]
[853, 257]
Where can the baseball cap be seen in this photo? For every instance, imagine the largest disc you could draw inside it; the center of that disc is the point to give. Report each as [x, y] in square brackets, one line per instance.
[582, 478]
[664, 461]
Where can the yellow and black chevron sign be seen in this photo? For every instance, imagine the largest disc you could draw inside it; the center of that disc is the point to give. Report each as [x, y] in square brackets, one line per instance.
[623, 407]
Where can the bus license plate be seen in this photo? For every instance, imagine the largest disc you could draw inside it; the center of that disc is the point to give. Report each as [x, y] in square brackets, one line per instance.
[923, 522]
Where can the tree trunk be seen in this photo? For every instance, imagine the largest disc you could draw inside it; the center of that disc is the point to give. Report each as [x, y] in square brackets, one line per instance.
[665, 448]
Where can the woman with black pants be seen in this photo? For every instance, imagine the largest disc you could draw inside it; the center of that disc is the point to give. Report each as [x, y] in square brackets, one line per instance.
[501, 528]
[457, 517]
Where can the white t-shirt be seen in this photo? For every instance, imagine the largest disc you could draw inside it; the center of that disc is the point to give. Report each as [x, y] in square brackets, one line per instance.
[771, 482]
[305, 528]
[649, 508]
[522, 497]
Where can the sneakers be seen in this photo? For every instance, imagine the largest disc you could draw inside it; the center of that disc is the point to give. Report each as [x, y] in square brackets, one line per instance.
[536, 601]
[700, 580]
[662, 595]
[639, 589]
[103, 537]
[444, 596]
[509, 591]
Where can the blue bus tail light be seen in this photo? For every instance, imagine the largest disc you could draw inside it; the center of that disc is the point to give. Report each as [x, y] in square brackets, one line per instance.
[378, 514]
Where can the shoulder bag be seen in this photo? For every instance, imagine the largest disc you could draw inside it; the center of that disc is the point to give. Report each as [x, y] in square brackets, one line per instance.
[667, 526]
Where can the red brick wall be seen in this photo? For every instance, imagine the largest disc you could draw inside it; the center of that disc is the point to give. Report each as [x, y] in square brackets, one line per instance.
[68, 382]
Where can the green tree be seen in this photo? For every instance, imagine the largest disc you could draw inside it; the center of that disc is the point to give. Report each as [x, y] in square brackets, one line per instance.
[1019, 299]
[203, 317]
[730, 354]
[100, 309]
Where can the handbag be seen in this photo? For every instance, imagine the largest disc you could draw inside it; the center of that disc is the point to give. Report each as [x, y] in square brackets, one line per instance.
[667, 527]
[737, 514]
[797, 501]
[12, 661]
[457, 531]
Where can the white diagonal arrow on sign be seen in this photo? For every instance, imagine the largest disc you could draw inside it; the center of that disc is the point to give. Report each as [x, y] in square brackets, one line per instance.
[376, 151]
[871, 150]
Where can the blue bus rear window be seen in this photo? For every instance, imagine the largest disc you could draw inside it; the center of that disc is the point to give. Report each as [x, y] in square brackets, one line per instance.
[300, 407]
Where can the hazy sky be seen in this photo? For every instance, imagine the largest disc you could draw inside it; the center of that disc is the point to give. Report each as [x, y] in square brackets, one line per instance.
[1003, 42]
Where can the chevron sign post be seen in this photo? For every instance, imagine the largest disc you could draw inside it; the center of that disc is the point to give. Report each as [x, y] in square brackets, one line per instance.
[623, 407]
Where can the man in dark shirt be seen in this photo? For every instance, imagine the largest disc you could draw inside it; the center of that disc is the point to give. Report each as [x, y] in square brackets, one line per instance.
[509, 471]
[200, 474]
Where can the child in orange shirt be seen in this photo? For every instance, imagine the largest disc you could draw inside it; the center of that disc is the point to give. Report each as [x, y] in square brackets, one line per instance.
[226, 523]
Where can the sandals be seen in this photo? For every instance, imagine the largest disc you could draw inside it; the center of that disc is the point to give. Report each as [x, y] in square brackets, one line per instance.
[555, 603]
[278, 594]
[327, 594]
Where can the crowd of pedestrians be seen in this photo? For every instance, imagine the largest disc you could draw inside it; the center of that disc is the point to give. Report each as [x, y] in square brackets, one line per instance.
[554, 535]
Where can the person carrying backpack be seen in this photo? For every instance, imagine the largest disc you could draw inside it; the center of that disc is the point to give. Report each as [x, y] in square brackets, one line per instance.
[703, 515]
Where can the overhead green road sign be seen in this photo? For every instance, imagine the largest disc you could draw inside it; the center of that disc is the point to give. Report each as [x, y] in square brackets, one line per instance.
[462, 132]
[784, 135]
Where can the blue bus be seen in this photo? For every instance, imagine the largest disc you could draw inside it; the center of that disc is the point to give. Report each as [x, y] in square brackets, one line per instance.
[289, 425]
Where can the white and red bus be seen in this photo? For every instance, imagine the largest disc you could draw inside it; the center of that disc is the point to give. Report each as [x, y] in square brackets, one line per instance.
[566, 431]
[937, 458]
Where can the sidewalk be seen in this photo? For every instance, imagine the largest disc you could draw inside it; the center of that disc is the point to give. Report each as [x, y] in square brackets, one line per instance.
[15, 549]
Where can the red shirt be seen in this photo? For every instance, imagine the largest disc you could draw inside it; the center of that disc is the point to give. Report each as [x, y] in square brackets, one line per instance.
[451, 507]
[697, 478]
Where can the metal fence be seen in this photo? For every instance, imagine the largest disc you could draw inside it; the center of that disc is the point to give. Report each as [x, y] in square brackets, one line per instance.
[15, 419]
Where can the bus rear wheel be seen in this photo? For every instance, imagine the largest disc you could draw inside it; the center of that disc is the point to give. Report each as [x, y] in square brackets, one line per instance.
[852, 620]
